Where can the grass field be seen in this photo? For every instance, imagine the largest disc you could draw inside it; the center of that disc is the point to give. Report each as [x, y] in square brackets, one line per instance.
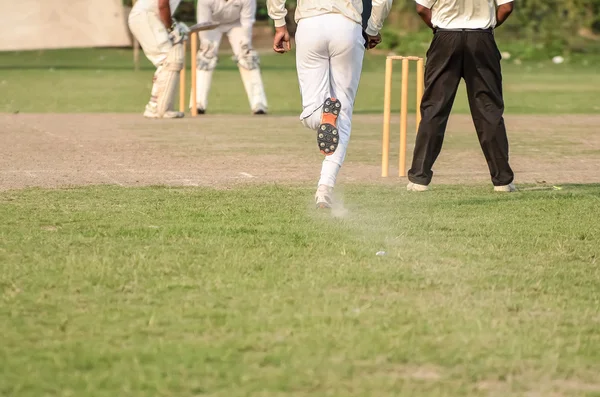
[165, 291]
[104, 81]
[243, 289]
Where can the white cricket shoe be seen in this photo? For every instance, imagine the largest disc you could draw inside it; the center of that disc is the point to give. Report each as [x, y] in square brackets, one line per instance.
[415, 187]
[151, 113]
[506, 188]
[324, 196]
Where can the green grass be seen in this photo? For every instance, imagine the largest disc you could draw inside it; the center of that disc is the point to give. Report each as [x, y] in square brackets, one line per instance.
[159, 291]
[197, 292]
[103, 80]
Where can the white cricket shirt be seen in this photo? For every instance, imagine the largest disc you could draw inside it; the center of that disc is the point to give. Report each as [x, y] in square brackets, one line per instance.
[152, 5]
[351, 9]
[463, 14]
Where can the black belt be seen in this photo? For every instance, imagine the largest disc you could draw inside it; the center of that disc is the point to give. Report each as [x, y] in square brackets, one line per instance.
[488, 30]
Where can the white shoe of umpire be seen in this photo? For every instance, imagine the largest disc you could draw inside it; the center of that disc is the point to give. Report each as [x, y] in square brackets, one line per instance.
[151, 113]
[506, 188]
[415, 187]
[324, 196]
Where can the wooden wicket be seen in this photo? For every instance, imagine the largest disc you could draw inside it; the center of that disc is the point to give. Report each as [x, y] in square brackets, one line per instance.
[385, 152]
[182, 83]
[193, 50]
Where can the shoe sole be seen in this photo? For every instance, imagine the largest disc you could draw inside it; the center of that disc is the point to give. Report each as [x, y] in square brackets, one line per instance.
[327, 134]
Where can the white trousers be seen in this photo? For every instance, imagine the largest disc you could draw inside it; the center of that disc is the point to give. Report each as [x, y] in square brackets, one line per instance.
[240, 39]
[210, 42]
[152, 35]
[329, 56]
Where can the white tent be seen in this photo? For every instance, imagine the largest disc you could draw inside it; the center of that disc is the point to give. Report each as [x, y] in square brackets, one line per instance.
[45, 24]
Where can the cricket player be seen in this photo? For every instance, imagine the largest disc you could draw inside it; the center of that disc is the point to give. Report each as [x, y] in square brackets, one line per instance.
[236, 19]
[161, 39]
[330, 45]
[463, 47]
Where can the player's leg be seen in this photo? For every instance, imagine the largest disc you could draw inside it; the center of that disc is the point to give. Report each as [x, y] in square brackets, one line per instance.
[206, 57]
[483, 78]
[168, 59]
[443, 72]
[206, 62]
[346, 53]
[312, 64]
[248, 62]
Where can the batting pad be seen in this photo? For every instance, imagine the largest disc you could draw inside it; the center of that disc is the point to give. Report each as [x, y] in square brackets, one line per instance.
[167, 79]
[254, 88]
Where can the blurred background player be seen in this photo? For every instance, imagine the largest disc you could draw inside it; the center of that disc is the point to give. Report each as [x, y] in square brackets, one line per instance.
[161, 39]
[330, 46]
[236, 19]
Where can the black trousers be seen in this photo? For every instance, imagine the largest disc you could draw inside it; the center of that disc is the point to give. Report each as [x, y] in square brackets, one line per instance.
[473, 56]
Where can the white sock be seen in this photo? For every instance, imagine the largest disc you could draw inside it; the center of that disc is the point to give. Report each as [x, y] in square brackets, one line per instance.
[329, 171]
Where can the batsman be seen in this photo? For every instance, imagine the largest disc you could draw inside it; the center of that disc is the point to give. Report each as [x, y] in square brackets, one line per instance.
[161, 39]
[236, 19]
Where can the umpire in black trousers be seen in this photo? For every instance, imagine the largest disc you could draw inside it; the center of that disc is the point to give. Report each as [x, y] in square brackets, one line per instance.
[463, 46]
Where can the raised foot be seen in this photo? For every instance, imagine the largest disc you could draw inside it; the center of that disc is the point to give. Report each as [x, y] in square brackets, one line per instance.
[327, 134]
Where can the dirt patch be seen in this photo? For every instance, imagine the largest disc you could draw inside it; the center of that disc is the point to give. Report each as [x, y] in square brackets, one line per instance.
[61, 150]
[544, 387]
[381, 367]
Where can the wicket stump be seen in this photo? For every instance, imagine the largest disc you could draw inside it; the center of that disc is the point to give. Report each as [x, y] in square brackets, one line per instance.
[385, 155]
[193, 48]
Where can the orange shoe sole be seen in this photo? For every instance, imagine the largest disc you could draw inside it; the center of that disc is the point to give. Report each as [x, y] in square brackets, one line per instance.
[327, 135]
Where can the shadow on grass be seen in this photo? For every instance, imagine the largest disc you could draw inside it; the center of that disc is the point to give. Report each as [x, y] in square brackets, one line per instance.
[561, 187]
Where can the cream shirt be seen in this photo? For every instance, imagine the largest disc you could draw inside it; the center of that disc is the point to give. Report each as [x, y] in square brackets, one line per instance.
[152, 5]
[351, 9]
[227, 11]
[463, 14]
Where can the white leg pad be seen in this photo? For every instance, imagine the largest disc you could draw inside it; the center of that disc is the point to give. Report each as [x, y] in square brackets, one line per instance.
[203, 80]
[206, 61]
[255, 90]
[166, 80]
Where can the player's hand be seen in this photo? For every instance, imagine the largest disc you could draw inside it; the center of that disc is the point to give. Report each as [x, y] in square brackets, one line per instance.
[281, 41]
[183, 28]
[373, 41]
[178, 32]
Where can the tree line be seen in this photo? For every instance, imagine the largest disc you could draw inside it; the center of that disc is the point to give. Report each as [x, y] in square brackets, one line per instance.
[557, 25]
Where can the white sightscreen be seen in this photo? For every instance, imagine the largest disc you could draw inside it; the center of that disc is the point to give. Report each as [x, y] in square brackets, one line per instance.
[44, 24]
